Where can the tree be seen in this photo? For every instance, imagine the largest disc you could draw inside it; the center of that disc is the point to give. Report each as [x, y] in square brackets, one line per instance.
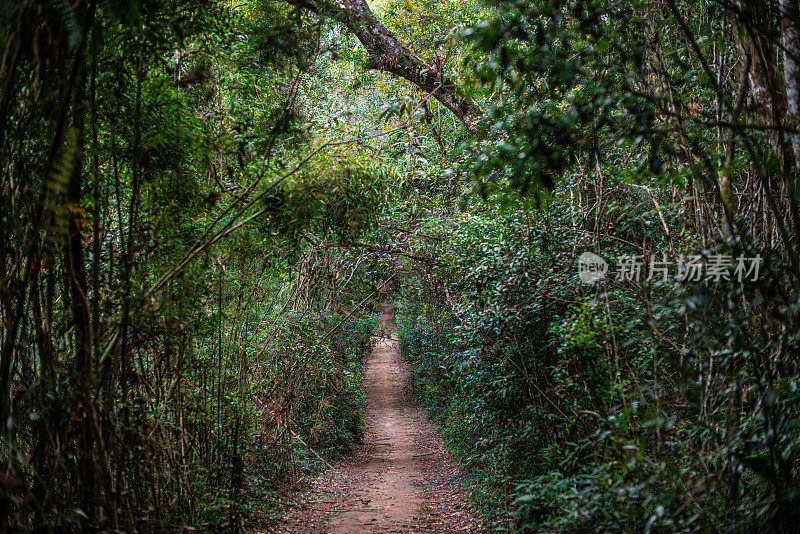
[387, 53]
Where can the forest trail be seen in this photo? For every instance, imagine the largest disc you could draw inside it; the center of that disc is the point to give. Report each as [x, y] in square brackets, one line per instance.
[399, 479]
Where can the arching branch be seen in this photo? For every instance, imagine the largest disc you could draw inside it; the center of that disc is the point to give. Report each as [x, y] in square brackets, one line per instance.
[387, 53]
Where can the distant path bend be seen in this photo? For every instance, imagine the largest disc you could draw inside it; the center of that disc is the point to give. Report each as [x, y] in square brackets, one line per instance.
[399, 479]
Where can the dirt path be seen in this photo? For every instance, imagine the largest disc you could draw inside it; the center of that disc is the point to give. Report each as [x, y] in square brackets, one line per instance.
[399, 479]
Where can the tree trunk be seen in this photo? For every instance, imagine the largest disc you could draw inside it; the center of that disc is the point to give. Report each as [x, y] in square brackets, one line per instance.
[791, 71]
[762, 41]
[388, 54]
[75, 271]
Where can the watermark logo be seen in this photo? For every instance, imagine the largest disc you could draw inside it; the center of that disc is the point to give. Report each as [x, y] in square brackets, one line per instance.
[591, 268]
[697, 268]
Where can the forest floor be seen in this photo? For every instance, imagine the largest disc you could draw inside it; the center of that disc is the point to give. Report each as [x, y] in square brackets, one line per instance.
[400, 478]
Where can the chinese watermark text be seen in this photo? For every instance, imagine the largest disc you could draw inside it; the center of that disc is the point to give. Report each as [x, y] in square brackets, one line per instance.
[697, 268]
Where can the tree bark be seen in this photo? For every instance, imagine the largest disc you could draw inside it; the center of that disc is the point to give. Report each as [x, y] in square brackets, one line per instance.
[387, 53]
[791, 71]
[771, 91]
[77, 283]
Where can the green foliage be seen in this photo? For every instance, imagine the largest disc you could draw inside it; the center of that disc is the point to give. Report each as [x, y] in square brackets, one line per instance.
[572, 407]
[334, 199]
[216, 373]
[334, 413]
[624, 406]
[195, 195]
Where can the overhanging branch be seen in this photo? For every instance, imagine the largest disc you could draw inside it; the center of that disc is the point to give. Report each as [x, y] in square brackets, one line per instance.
[387, 53]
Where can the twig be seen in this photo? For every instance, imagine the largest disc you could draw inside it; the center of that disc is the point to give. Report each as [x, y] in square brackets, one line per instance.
[356, 308]
[399, 252]
[315, 453]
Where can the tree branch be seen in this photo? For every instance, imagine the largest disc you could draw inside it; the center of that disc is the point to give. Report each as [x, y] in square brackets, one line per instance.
[387, 53]
[399, 252]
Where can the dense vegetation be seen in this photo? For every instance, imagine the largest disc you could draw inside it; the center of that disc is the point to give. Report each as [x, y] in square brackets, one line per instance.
[202, 201]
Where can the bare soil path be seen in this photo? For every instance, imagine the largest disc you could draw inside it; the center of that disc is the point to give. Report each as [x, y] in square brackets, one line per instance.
[399, 479]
